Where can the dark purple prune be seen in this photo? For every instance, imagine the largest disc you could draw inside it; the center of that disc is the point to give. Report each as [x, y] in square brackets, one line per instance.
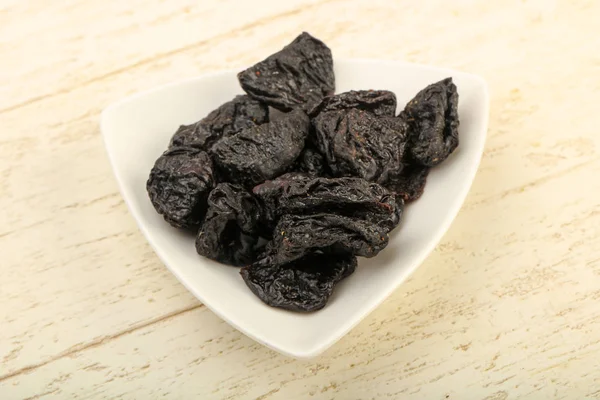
[241, 113]
[310, 162]
[358, 143]
[351, 197]
[298, 235]
[275, 114]
[298, 76]
[433, 123]
[410, 184]
[254, 155]
[179, 184]
[229, 231]
[303, 285]
[378, 102]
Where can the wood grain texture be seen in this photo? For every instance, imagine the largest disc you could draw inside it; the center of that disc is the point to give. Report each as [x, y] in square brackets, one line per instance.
[506, 307]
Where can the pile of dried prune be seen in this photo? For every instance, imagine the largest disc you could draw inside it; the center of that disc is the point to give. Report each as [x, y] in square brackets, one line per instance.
[292, 182]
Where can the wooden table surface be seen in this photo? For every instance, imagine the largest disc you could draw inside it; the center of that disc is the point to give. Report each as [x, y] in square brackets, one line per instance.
[506, 307]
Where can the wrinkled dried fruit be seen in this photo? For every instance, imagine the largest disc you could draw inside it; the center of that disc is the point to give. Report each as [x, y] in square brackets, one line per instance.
[229, 230]
[410, 184]
[241, 113]
[358, 143]
[255, 155]
[296, 236]
[352, 197]
[275, 114]
[310, 162]
[179, 184]
[303, 285]
[433, 123]
[308, 180]
[298, 76]
[377, 102]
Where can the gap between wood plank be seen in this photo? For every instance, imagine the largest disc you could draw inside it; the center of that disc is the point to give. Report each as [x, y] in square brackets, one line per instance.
[534, 183]
[98, 342]
[183, 49]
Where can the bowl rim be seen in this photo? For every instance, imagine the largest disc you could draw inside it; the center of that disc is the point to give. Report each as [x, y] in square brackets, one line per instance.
[319, 346]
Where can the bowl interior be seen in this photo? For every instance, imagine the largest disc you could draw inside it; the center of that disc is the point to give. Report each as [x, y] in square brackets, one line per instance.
[137, 129]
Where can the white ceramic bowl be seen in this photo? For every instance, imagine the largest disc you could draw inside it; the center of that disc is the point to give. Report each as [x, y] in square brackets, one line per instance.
[137, 129]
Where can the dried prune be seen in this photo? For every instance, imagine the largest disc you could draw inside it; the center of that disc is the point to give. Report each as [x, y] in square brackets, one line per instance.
[298, 76]
[432, 116]
[352, 197]
[254, 155]
[310, 162]
[241, 113]
[378, 102]
[275, 114]
[303, 285]
[229, 231]
[179, 184]
[410, 184]
[297, 235]
[358, 143]
[292, 182]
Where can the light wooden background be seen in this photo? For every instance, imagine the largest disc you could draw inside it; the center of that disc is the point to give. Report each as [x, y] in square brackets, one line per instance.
[506, 307]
